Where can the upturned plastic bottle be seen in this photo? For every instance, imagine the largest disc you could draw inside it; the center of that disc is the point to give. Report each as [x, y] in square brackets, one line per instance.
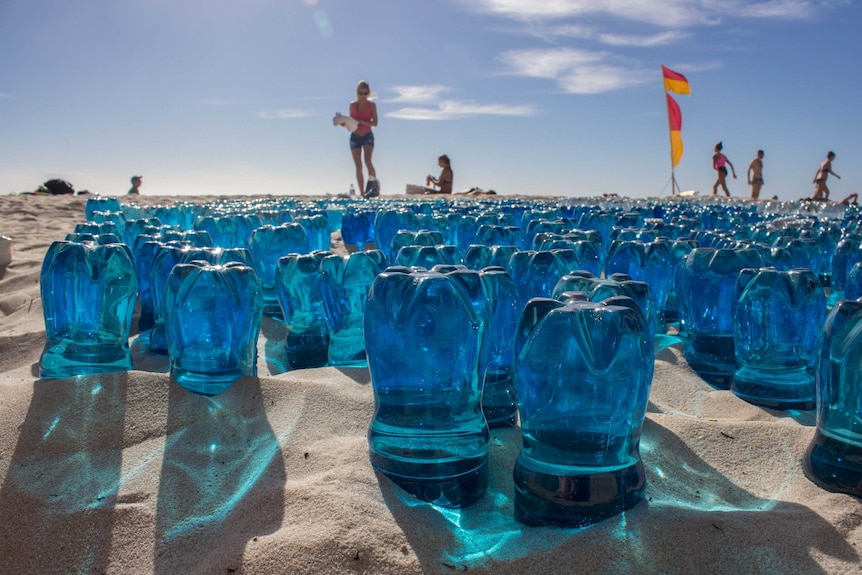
[424, 335]
[778, 320]
[298, 286]
[345, 284]
[833, 460]
[498, 393]
[583, 373]
[213, 321]
[89, 290]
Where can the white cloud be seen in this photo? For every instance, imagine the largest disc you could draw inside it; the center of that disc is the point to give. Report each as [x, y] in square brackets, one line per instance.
[5, 95]
[661, 39]
[453, 110]
[418, 93]
[575, 71]
[666, 14]
[283, 114]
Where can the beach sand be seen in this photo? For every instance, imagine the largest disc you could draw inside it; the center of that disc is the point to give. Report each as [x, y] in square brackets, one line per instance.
[129, 473]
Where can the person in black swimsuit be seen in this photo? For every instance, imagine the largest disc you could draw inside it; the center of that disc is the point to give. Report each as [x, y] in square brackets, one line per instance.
[443, 184]
[821, 192]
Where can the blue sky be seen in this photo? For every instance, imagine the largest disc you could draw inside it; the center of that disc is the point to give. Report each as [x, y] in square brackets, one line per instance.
[557, 97]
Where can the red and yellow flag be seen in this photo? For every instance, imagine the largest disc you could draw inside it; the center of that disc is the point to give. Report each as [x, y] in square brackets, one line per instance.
[675, 82]
[674, 121]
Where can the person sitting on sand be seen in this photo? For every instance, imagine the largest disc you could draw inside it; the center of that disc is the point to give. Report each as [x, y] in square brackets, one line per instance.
[442, 184]
[136, 184]
[851, 200]
[821, 192]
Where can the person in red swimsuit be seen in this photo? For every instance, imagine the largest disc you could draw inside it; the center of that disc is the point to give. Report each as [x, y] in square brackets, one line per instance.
[720, 163]
[364, 112]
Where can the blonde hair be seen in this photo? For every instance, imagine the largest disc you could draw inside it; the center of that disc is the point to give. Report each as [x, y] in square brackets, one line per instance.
[363, 85]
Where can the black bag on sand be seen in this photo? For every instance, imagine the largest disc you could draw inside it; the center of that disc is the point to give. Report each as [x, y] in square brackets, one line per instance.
[59, 187]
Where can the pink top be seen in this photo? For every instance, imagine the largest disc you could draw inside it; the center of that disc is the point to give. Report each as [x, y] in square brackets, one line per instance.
[363, 115]
[719, 161]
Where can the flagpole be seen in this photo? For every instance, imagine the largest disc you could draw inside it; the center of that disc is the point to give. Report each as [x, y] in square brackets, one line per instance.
[674, 186]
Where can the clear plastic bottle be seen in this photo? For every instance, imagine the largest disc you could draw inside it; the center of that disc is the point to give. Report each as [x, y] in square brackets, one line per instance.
[352, 190]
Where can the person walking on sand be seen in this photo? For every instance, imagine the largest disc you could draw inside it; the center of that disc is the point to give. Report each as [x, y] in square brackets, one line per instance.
[755, 175]
[136, 185]
[720, 163]
[364, 112]
[443, 184]
[821, 192]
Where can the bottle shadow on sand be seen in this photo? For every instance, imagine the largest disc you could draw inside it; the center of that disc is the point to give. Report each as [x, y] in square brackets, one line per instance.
[689, 503]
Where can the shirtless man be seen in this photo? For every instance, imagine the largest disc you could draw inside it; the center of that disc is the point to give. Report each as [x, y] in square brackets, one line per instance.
[821, 192]
[755, 175]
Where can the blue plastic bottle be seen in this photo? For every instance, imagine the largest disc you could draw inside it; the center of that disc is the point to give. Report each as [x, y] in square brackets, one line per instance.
[498, 394]
[298, 286]
[833, 460]
[345, 284]
[424, 339]
[707, 296]
[583, 378]
[89, 291]
[267, 245]
[213, 321]
[778, 319]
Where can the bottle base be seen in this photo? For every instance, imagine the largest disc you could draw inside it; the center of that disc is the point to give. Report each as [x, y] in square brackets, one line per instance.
[69, 359]
[206, 383]
[834, 465]
[712, 357]
[451, 491]
[546, 500]
[780, 389]
[307, 351]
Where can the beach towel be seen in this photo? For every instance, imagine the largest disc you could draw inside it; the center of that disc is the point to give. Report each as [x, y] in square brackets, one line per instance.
[346, 121]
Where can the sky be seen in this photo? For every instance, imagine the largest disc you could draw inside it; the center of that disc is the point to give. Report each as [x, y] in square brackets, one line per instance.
[534, 97]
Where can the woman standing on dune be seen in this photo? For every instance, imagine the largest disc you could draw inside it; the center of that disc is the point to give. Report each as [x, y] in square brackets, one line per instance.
[364, 112]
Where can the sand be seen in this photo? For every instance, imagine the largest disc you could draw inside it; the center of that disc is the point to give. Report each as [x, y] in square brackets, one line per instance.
[129, 473]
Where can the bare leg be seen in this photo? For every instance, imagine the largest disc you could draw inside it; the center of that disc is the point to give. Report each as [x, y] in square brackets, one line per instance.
[755, 191]
[716, 184]
[357, 161]
[722, 181]
[368, 151]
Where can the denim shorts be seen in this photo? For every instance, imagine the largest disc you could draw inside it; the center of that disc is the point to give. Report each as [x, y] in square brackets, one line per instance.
[359, 141]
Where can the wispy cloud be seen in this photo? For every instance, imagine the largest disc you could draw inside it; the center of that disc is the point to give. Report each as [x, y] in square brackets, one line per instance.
[5, 95]
[218, 101]
[449, 109]
[667, 14]
[575, 71]
[670, 14]
[418, 93]
[283, 114]
[661, 39]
